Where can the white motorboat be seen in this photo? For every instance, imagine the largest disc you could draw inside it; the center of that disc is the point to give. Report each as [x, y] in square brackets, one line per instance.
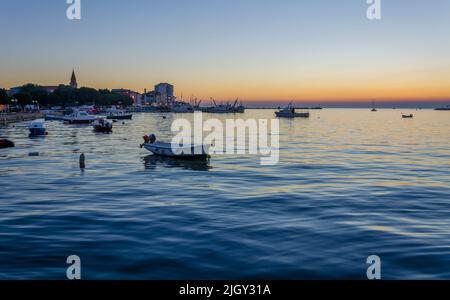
[175, 151]
[80, 117]
[290, 112]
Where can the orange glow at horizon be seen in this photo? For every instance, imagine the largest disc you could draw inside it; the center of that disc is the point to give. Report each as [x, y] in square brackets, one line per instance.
[315, 86]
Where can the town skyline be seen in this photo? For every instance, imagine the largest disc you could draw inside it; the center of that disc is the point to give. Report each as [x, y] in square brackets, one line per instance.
[223, 51]
[360, 103]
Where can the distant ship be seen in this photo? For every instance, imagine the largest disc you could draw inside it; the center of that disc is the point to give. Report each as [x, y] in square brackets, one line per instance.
[290, 112]
[443, 108]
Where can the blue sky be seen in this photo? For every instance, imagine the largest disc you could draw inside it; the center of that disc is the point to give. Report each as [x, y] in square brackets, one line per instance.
[253, 49]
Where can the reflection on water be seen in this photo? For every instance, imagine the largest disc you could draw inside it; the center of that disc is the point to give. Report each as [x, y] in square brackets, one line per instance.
[350, 183]
[154, 161]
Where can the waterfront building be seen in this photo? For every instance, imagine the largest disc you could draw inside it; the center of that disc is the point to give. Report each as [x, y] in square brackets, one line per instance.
[166, 91]
[132, 94]
[152, 98]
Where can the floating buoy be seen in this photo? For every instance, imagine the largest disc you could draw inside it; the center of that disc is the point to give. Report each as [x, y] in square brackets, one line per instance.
[82, 161]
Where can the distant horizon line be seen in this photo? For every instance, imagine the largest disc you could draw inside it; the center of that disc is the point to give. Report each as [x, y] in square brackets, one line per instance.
[384, 105]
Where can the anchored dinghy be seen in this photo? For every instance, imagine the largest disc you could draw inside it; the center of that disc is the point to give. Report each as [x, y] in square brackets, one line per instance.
[175, 151]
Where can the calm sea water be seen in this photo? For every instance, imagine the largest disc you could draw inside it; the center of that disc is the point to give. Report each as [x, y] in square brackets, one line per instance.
[350, 183]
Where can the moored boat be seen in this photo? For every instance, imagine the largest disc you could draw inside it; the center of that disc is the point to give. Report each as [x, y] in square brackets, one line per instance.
[410, 116]
[373, 107]
[290, 112]
[119, 115]
[175, 151]
[80, 117]
[447, 108]
[37, 128]
[102, 125]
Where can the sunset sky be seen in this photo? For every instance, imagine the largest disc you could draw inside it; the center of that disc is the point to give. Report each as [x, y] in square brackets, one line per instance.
[257, 50]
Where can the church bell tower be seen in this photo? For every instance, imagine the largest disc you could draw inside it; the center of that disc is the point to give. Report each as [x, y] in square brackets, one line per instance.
[73, 81]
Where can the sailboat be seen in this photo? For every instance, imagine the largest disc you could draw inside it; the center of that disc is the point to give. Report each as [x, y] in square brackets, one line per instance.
[373, 107]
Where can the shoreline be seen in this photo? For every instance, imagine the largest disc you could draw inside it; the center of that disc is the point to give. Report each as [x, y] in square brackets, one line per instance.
[8, 118]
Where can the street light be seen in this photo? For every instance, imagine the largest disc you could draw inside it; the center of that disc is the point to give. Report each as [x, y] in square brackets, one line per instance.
[13, 103]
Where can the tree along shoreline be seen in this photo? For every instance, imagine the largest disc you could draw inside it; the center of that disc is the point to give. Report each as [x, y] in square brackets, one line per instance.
[64, 96]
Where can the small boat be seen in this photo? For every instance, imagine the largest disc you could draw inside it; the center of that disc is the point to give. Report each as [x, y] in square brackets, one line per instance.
[6, 144]
[199, 152]
[37, 128]
[410, 116]
[102, 125]
[373, 107]
[119, 115]
[290, 112]
[80, 117]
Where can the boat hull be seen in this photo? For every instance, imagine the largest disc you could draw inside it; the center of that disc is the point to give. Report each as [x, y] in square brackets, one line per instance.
[215, 110]
[292, 115]
[74, 121]
[125, 117]
[102, 129]
[38, 131]
[185, 152]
